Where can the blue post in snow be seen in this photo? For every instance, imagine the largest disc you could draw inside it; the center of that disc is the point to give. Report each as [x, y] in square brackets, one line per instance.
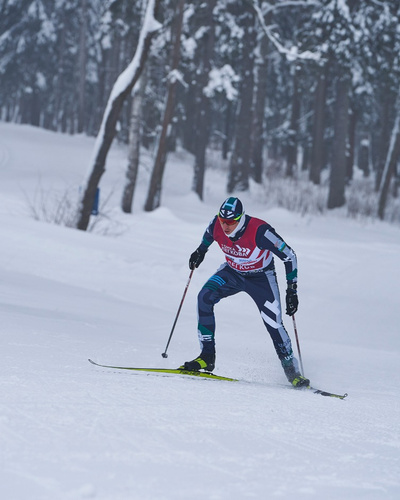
[95, 208]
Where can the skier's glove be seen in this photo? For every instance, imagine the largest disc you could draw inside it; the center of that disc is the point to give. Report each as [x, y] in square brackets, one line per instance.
[196, 258]
[292, 300]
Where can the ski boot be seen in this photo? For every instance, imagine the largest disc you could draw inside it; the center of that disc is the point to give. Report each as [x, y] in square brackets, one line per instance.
[294, 377]
[300, 381]
[206, 361]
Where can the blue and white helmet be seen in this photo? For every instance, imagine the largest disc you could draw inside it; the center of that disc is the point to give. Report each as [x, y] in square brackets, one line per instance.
[231, 208]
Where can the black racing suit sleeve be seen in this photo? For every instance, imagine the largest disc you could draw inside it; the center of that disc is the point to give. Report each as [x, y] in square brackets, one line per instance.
[208, 237]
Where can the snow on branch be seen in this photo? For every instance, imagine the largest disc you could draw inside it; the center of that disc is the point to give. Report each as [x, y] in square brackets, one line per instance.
[150, 25]
[222, 80]
[290, 3]
[176, 76]
[124, 84]
[292, 54]
[125, 79]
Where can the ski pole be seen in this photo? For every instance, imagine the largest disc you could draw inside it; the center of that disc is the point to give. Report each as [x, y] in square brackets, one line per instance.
[164, 354]
[298, 345]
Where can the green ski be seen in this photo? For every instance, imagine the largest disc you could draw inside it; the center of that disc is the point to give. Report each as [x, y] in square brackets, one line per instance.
[202, 374]
[176, 371]
[329, 394]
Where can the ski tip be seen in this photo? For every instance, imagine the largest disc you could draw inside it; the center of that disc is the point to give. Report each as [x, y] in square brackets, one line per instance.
[328, 394]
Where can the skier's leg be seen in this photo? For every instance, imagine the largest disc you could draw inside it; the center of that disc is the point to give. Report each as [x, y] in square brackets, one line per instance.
[263, 288]
[222, 284]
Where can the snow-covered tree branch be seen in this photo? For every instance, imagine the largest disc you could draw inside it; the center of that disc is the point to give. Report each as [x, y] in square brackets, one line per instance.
[121, 89]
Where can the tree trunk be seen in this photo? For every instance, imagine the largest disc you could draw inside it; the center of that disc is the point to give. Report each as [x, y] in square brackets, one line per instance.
[82, 65]
[154, 195]
[227, 129]
[259, 110]
[35, 108]
[336, 197]
[134, 148]
[59, 92]
[384, 138]
[350, 149]
[203, 108]
[390, 167]
[317, 151]
[122, 88]
[363, 156]
[239, 168]
[291, 161]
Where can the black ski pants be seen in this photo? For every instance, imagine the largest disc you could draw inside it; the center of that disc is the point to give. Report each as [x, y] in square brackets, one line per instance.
[262, 288]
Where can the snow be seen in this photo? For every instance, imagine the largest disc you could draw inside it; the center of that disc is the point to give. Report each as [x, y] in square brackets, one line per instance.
[222, 80]
[69, 430]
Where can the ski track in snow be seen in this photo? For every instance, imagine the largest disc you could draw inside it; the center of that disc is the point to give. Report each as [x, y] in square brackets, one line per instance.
[70, 430]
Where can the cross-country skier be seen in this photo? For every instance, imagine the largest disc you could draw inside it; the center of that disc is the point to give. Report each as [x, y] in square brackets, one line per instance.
[249, 245]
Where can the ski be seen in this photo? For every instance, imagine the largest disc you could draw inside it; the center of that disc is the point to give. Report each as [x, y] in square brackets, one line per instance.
[177, 371]
[329, 394]
[208, 375]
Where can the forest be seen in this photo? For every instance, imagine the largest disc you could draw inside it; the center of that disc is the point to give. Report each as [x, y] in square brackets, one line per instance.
[306, 91]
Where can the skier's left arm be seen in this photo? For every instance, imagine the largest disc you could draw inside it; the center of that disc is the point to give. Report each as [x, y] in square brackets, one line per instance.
[267, 238]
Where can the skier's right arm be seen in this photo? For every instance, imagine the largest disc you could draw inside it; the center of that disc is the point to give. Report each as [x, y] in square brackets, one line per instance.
[197, 256]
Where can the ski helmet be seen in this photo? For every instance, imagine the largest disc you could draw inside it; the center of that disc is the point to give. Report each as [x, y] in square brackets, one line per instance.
[231, 208]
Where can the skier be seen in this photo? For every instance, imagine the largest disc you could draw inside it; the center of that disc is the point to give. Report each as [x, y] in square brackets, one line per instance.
[248, 244]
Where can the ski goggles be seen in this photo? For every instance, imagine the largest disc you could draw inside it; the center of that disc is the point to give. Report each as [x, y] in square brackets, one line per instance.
[230, 222]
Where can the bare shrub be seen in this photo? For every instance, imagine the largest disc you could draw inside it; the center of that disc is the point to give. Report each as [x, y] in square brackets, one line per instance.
[300, 195]
[59, 207]
[51, 205]
[361, 198]
[296, 194]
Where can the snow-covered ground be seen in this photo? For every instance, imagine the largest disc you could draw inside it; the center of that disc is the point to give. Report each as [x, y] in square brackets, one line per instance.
[70, 430]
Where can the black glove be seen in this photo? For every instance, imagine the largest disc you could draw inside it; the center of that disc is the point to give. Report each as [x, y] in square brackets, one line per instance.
[196, 258]
[292, 301]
